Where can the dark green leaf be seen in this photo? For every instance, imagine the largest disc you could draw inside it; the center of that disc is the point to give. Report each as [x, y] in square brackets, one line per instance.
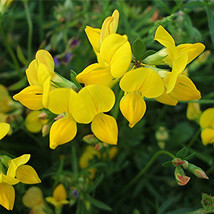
[210, 17]
[97, 203]
[97, 182]
[190, 156]
[138, 49]
[182, 153]
[21, 55]
[148, 53]
[167, 164]
[19, 85]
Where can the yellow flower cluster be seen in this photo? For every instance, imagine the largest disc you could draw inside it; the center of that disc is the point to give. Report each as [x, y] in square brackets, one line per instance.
[90, 103]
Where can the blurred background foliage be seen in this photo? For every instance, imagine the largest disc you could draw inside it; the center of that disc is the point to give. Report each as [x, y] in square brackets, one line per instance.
[58, 26]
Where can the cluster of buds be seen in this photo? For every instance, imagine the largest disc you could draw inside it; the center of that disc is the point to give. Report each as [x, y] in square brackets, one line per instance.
[180, 175]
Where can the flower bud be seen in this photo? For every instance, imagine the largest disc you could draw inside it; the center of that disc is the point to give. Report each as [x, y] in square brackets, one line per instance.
[178, 162]
[45, 129]
[156, 59]
[161, 134]
[193, 111]
[90, 139]
[198, 172]
[180, 176]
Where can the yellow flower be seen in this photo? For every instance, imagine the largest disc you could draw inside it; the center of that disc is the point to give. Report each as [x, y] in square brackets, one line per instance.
[184, 90]
[96, 36]
[64, 129]
[193, 111]
[113, 61]
[5, 100]
[39, 75]
[59, 197]
[4, 129]
[33, 198]
[136, 84]
[177, 56]
[207, 126]
[17, 172]
[89, 105]
[33, 123]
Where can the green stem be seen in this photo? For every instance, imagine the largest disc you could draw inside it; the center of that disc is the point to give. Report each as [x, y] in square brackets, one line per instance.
[58, 210]
[10, 50]
[117, 104]
[143, 171]
[30, 29]
[207, 101]
[195, 137]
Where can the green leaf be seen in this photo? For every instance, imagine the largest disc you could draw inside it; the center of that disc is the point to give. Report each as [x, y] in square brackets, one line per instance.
[210, 17]
[148, 53]
[167, 164]
[97, 182]
[138, 49]
[190, 156]
[182, 153]
[135, 211]
[18, 85]
[20, 55]
[97, 203]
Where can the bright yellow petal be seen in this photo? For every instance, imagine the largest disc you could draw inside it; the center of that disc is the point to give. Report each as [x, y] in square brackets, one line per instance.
[4, 129]
[32, 197]
[31, 73]
[207, 136]
[31, 97]
[185, 89]
[90, 101]
[207, 118]
[27, 175]
[62, 131]
[15, 163]
[44, 57]
[164, 38]
[52, 201]
[43, 73]
[93, 35]
[46, 90]
[59, 193]
[121, 60]
[32, 122]
[193, 111]
[145, 80]
[178, 67]
[8, 179]
[192, 50]
[96, 74]
[7, 196]
[59, 100]
[133, 107]
[166, 99]
[110, 45]
[105, 128]
[5, 100]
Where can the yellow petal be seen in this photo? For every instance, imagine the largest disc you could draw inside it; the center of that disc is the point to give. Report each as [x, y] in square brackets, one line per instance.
[121, 60]
[207, 118]
[193, 111]
[59, 100]
[110, 45]
[32, 72]
[95, 74]
[145, 80]
[93, 35]
[59, 193]
[15, 163]
[52, 201]
[31, 97]
[44, 57]
[178, 67]
[207, 136]
[192, 50]
[7, 179]
[43, 73]
[32, 197]
[90, 101]
[27, 175]
[62, 131]
[133, 107]
[163, 37]
[185, 89]
[4, 129]
[45, 93]
[32, 122]
[5, 100]
[7, 196]
[105, 128]
[166, 99]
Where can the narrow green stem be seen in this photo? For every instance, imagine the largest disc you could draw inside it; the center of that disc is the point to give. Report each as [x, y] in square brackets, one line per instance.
[143, 171]
[10, 50]
[30, 29]
[117, 104]
[207, 101]
[195, 137]
[58, 210]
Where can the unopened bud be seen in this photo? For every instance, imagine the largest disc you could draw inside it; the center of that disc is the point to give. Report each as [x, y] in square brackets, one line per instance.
[197, 171]
[60, 116]
[42, 115]
[178, 162]
[45, 129]
[161, 134]
[193, 111]
[156, 59]
[180, 176]
[90, 139]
